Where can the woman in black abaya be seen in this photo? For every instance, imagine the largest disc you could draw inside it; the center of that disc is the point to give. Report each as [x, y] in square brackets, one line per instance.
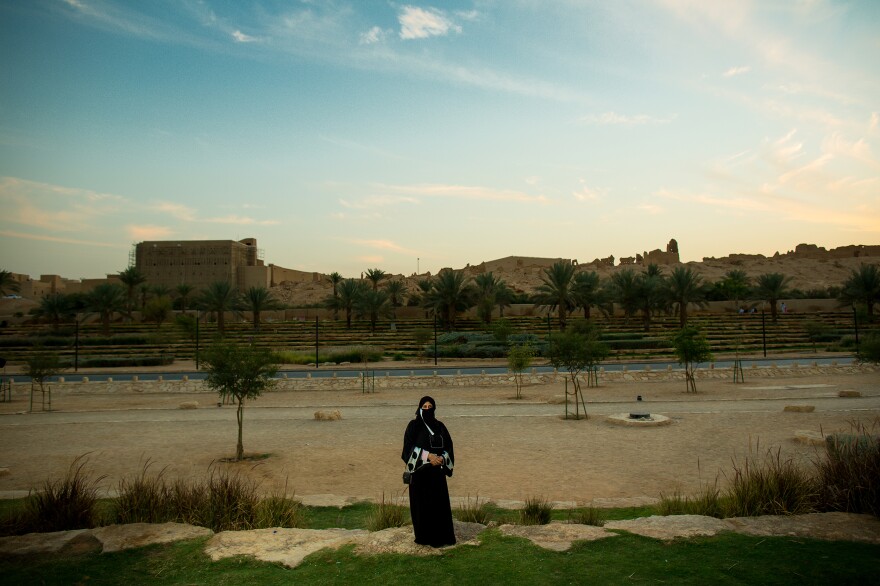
[427, 451]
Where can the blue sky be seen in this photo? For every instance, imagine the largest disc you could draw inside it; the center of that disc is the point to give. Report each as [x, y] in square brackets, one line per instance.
[347, 135]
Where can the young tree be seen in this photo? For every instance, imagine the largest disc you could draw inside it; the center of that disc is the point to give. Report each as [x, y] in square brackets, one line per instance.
[257, 300]
[519, 359]
[691, 348]
[40, 367]
[556, 292]
[577, 349]
[158, 310]
[239, 372]
[772, 287]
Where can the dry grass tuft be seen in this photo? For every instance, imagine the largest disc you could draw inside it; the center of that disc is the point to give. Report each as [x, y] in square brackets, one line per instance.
[334, 415]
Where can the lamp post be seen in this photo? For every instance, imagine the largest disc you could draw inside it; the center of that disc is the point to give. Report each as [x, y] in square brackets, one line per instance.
[76, 345]
[763, 330]
[856, 324]
[198, 319]
[316, 341]
[435, 338]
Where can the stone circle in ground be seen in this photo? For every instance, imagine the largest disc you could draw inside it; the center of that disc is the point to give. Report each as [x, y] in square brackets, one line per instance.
[642, 419]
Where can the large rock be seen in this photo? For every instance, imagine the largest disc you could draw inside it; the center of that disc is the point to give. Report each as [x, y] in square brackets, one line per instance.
[556, 536]
[66, 542]
[119, 537]
[828, 526]
[672, 527]
[285, 546]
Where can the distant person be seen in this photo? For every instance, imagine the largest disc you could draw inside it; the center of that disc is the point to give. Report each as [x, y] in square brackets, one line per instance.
[784, 309]
[427, 451]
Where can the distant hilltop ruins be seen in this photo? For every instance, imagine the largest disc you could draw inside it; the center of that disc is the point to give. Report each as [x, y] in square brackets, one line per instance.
[810, 251]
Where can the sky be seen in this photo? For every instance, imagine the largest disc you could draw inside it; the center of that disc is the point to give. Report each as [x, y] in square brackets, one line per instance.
[411, 136]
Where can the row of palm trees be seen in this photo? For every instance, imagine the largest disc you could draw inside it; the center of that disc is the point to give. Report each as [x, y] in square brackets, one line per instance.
[564, 290]
[155, 302]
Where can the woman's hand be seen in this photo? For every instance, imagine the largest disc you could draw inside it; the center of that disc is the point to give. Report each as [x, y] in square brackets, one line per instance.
[435, 460]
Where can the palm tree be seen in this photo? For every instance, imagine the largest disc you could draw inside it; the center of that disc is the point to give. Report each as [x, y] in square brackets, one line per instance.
[106, 299]
[183, 291]
[650, 293]
[8, 284]
[144, 290]
[335, 278]
[623, 289]
[374, 276]
[586, 291]
[396, 291]
[503, 296]
[160, 291]
[863, 286]
[219, 297]
[735, 285]
[450, 294]
[350, 291]
[131, 278]
[421, 296]
[55, 307]
[772, 287]
[373, 304]
[556, 290]
[259, 299]
[685, 286]
[488, 287]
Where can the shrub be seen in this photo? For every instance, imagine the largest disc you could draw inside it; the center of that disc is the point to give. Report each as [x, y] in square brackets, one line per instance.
[231, 503]
[849, 476]
[144, 499]
[707, 503]
[68, 503]
[535, 511]
[770, 486]
[386, 514]
[116, 361]
[588, 516]
[475, 511]
[279, 511]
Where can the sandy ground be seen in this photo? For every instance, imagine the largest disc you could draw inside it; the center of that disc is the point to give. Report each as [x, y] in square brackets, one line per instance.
[506, 449]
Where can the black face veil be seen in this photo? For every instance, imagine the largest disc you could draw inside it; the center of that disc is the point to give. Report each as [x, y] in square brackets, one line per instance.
[427, 415]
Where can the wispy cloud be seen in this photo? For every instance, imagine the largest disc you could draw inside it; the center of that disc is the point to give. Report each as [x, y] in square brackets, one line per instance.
[374, 201]
[734, 71]
[239, 220]
[614, 119]
[374, 35]
[148, 232]
[240, 37]
[422, 23]
[382, 245]
[53, 207]
[465, 192]
[58, 239]
[587, 193]
[176, 210]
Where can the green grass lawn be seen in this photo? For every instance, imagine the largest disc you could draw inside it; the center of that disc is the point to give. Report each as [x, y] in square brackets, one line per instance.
[725, 559]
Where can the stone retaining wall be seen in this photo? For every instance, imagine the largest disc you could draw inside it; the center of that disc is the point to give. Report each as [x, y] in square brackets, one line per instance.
[382, 380]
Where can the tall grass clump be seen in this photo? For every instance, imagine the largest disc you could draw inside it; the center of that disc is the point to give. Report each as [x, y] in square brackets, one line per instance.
[770, 485]
[708, 502]
[476, 511]
[386, 514]
[277, 510]
[587, 516]
[535, 511]
[849, 475]
[144, 498]
[231, 503]
[67, 503]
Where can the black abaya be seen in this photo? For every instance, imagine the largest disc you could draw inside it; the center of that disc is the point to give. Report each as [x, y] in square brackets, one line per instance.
[428, 494]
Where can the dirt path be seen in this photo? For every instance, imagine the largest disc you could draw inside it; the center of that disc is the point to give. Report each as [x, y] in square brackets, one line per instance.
[505, 449]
